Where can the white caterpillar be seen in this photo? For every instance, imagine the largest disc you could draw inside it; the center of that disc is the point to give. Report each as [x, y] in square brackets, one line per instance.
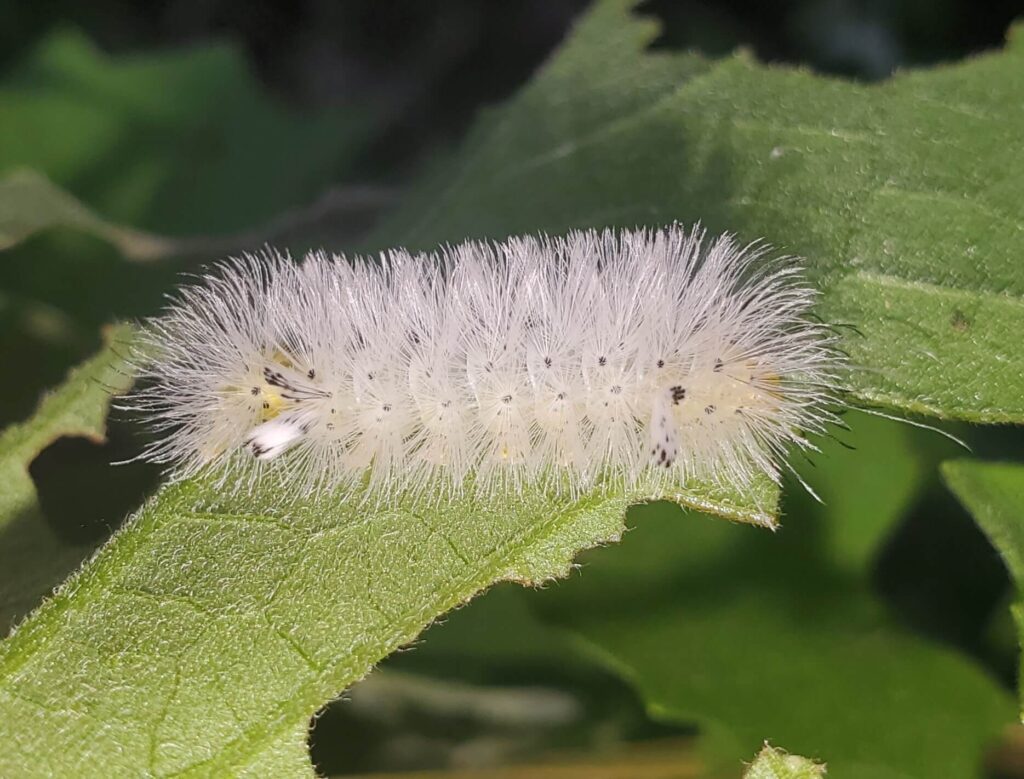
[598, 358]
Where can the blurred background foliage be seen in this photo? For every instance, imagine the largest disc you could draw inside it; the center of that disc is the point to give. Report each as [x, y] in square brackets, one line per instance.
[220, 124]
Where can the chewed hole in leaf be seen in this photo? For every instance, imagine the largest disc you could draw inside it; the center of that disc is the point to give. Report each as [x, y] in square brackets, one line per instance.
[83, 497]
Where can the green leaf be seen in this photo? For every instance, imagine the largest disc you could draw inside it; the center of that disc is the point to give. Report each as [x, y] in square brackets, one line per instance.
[750, 640]
[772, 763]
[29, 551]
[29, 202]
[903, 196]
[994, 494]
[176, 142]
[204, 639]
[754, 636]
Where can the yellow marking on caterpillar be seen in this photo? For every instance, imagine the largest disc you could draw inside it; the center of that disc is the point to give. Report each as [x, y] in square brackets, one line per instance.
[281, 358]
[273, 403]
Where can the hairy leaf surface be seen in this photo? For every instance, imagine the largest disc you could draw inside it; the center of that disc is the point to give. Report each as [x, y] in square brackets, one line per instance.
[772, 763]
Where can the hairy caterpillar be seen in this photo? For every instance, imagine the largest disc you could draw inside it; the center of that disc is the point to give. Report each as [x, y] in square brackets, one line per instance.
[598, 358]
